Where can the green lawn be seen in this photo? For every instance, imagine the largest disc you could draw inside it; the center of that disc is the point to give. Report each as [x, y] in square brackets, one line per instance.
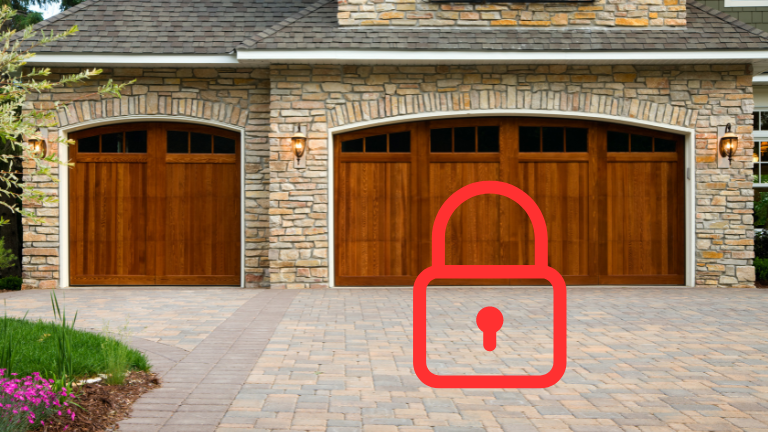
[36, 350]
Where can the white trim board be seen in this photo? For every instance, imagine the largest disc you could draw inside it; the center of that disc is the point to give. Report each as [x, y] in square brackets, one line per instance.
[64, 132]
[132, 60]
[426, 56]
[690, 166]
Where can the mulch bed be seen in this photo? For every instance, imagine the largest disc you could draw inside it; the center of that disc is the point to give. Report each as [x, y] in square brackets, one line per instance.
[761, 284]
[102, 406]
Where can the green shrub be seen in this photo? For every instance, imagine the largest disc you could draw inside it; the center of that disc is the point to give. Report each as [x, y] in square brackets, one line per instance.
[761, 269]
[12, 283]
[7, 259]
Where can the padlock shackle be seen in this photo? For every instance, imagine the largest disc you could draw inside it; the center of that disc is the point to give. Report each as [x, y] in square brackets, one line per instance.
[484, 188]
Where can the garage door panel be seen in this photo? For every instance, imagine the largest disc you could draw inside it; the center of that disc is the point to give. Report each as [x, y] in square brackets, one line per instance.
[561, 190]
[644, 232]
[473, 235]
[109, 223]
[377, 240]
[201, 227]
[142, 217]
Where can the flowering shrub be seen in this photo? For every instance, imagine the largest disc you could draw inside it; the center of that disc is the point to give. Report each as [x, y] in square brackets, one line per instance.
[26, 403]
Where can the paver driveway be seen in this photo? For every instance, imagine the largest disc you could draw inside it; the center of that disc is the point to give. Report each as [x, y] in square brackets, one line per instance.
[340, 360]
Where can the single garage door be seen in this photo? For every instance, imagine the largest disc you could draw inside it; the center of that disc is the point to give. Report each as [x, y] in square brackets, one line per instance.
[155, 204]
[612, 197]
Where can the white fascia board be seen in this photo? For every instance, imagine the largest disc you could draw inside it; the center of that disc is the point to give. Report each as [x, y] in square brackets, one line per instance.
[57, 59]
[760, 80]
[413, 56]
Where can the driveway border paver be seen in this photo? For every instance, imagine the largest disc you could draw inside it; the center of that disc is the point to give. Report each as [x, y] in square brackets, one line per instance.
[198, 390]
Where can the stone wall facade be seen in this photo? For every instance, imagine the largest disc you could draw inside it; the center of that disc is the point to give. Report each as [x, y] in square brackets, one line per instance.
[237, 97]
[426, 13]
[696, 96]
[287, 223]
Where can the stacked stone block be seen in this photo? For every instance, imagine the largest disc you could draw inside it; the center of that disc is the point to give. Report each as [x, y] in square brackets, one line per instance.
[695, 96]
[430, 13]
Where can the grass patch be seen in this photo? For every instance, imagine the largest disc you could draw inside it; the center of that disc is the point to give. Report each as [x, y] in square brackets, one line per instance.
[35, 349]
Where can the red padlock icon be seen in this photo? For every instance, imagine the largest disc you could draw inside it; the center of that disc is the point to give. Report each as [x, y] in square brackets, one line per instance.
[439, 270]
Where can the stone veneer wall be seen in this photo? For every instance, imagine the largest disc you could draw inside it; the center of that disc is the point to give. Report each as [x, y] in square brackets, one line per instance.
[426, 13]
[697, 96]
[238, 97]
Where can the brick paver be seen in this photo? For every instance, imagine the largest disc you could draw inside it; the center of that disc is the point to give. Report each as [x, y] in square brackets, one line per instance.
[640, 359]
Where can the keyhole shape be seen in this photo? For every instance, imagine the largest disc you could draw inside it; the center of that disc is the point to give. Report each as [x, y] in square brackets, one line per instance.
[489, 321]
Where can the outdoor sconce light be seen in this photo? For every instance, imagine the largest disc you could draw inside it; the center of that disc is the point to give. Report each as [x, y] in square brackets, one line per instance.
[38, 146]
[728, 143]
[299, 143]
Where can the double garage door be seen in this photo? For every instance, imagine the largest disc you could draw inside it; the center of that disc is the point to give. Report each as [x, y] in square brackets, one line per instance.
[155, 204]
[612, 197]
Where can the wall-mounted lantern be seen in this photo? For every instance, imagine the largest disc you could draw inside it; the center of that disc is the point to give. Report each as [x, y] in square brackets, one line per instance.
[729, 142]
[299, 144]
[38, 146]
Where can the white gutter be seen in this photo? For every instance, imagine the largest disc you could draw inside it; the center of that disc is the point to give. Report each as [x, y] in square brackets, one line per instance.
[132, 59]
[760, 80]
[412, 56]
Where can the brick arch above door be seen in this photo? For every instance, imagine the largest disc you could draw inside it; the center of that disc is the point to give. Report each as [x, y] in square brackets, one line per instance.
[488, 102]
[153, 104]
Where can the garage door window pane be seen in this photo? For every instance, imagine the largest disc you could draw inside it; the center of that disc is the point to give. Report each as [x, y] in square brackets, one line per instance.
[136, 142]
[641, 143]
[618, 142]
[488, 139]
[376, 144]
[464, 140]
[400, 142]
[440, 140]
[530, 139]
[88, 145]
[553, 139]
[664, 145]
[576, 140]
[223, 145]
[200, 143]
[352, 146]
[178, 142]
[112, 143]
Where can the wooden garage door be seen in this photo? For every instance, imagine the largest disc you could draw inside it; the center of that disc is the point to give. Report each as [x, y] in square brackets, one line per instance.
[155, 204]
[612, 197]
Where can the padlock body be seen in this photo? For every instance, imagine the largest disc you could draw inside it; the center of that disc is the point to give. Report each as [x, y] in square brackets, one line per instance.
[489, 272]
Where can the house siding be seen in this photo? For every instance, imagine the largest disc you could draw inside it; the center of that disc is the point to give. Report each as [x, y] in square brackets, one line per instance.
[287, 224]
[755, 16]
